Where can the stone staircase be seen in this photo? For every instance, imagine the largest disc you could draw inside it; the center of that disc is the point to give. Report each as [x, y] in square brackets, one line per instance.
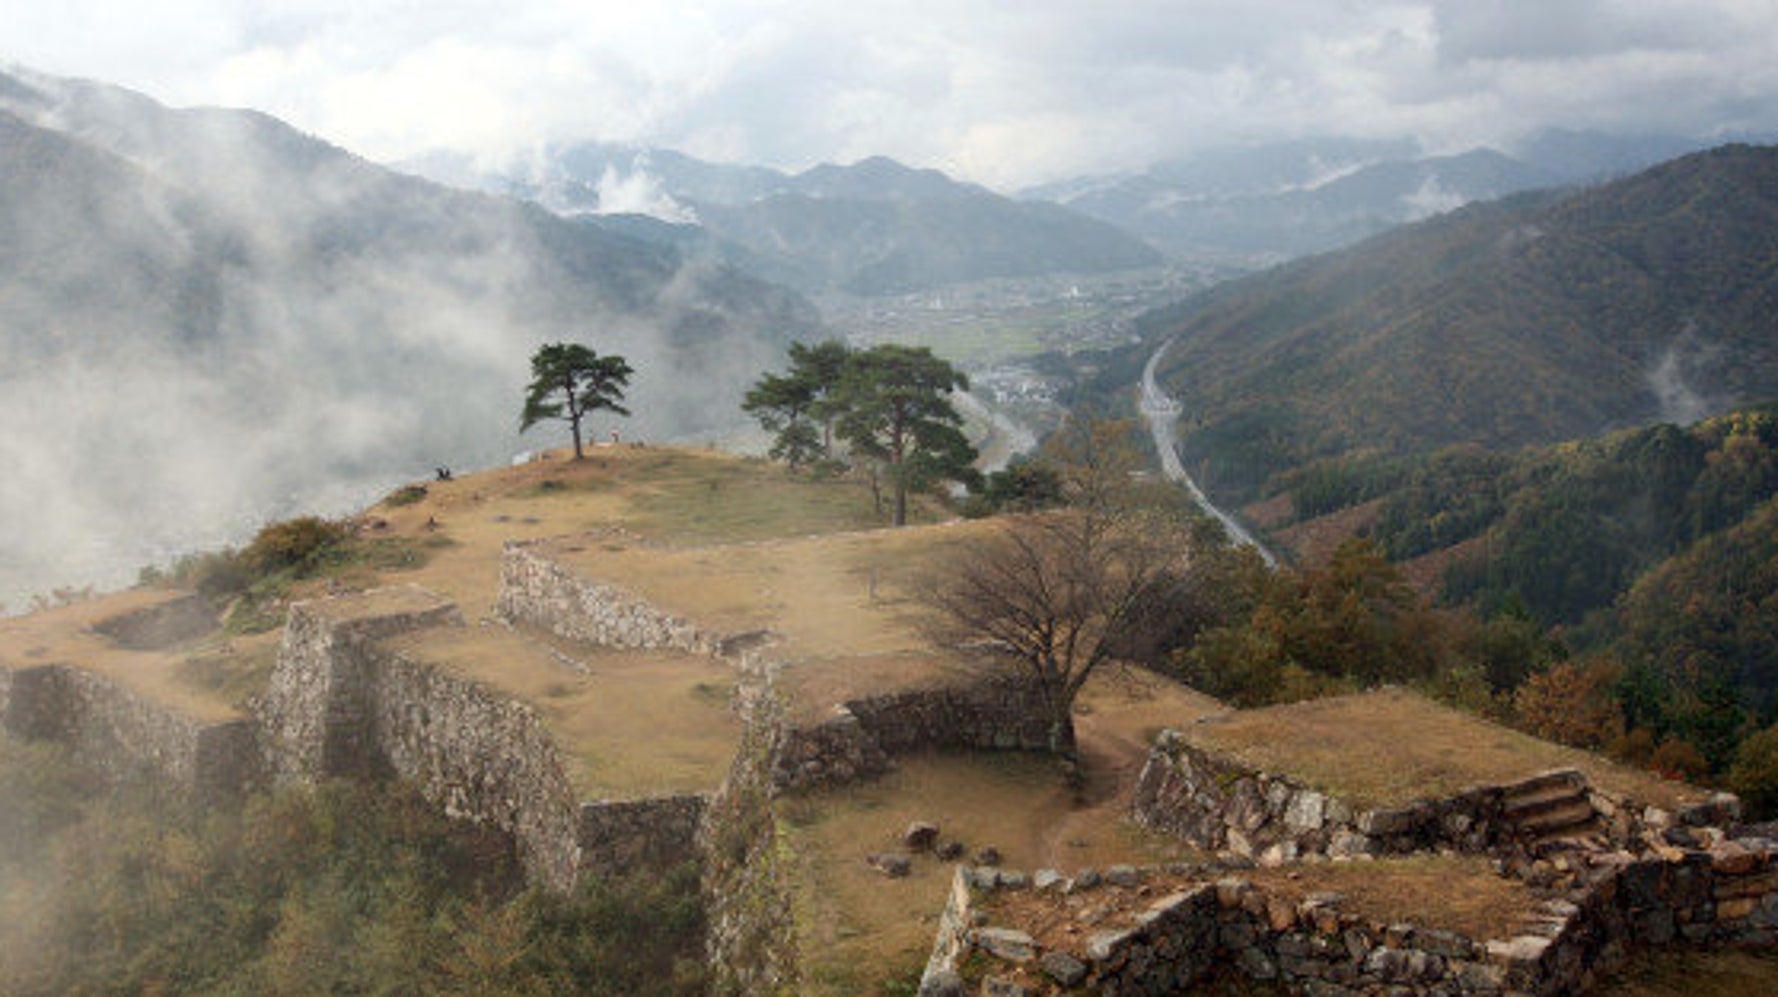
[1552, 812]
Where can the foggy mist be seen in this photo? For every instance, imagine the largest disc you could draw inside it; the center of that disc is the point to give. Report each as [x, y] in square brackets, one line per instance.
[211, 321]
[1679, 402]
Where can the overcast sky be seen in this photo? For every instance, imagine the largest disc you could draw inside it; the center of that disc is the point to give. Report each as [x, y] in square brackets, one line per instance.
[1004, 92]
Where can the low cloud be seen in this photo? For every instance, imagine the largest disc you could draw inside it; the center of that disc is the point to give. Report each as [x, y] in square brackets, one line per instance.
[1431, 198]
[639, 192]
[216, 324]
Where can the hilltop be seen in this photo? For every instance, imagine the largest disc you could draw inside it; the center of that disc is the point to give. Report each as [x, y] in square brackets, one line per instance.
[656, 656]
[732, 547]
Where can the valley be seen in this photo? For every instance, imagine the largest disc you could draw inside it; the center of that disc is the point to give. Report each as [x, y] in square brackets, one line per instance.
[1416, 512]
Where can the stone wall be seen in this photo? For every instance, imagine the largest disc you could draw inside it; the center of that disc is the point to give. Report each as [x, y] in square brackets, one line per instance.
[538, 592]
[318, 706]
[342, 702]
[123, 734]
[995, 714]
[750, 945]
[1175, 938]
[1724, 894]
[856, 742]
[1220, 803]
[478, 754]
[618, 836]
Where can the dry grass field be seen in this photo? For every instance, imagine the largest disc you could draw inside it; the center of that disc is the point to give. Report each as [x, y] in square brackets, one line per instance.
[451, 540]
[850, 593]
[629, 723]
[1390, 746]
[860, 928]
[686, 497]
[65, 635]
[1460, 893]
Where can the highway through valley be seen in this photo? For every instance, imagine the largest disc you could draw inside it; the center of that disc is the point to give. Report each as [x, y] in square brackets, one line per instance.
[1162, 413]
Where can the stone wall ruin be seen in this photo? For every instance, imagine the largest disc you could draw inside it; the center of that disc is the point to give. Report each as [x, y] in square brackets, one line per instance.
[1219, 803]
[121, 734]
[1205, 917]
[344, 702]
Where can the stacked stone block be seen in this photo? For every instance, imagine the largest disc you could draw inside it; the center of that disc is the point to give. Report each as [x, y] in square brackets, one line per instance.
[123, 734]
[1727, 893]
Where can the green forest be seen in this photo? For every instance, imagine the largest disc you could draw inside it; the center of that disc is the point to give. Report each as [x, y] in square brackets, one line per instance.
[1627, 586]
[1525, 321]
[337, 889]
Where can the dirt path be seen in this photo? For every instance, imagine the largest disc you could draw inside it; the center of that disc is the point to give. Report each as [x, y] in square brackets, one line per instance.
[1110, 764]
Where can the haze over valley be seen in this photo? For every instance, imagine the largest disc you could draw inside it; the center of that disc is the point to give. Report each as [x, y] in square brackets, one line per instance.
[283, 324]
[214, 319]
[718, 498]
[211, 319]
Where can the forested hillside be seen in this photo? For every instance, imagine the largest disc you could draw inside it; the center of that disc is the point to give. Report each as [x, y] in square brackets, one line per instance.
[1649, 555]
[1618, 591]
[1539, 318]
[1564, 528]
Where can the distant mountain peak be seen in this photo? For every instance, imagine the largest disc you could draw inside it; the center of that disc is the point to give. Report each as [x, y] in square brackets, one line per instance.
[879, 178]
[1291, 199]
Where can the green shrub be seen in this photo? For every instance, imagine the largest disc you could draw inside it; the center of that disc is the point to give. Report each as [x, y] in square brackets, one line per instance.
[294, 543]
[343, 888]
[41, 792]
[1754, 776]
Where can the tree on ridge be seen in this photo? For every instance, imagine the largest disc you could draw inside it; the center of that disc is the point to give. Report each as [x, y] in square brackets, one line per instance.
[569, 381]
[895, 409]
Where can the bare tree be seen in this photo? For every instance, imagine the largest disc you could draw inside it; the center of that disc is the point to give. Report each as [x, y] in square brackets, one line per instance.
[1061, 593]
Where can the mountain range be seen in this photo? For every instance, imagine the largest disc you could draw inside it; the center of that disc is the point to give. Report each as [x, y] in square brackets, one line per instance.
[207, 316]
[1537, 318]
[870, 228]
[877, 226]
[1273, 202]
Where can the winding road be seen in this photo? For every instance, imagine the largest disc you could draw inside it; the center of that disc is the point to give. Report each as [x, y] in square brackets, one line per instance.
[1162, 413]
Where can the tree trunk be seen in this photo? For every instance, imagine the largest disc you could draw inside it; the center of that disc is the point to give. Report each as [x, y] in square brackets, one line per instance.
[898, 470]
[574, 412]
[1061, 732]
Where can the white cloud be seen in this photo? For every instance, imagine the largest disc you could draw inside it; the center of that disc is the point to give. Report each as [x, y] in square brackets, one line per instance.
[1004, 93]
[638, 192]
